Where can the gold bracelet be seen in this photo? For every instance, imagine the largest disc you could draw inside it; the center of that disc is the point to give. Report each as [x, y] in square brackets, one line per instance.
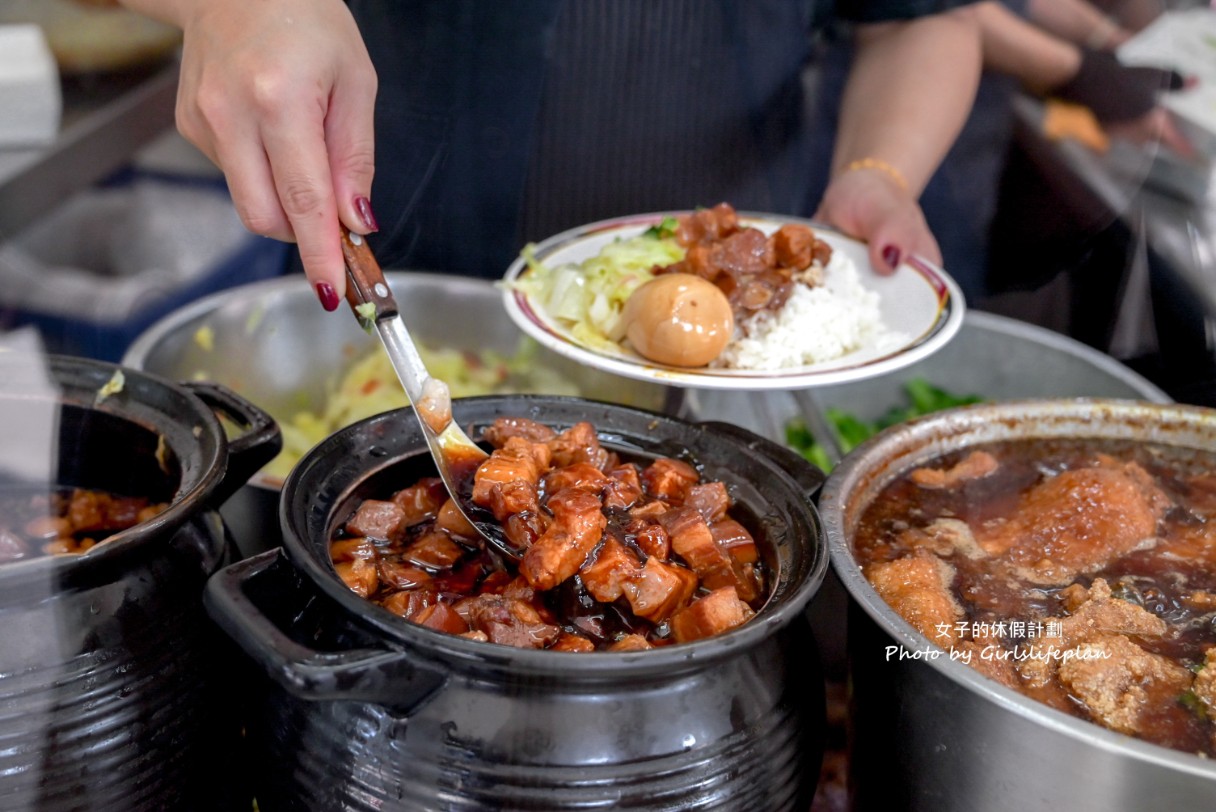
[881, 166]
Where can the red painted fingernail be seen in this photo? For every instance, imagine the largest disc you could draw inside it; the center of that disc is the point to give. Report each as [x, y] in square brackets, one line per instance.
[365, 213]
[890, 255]
[328, 296]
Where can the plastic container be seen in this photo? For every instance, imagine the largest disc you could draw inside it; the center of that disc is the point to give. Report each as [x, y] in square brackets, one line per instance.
[114, 259]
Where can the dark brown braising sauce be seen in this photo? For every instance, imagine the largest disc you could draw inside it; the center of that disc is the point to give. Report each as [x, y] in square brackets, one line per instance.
[405, 551]
[1172, 576]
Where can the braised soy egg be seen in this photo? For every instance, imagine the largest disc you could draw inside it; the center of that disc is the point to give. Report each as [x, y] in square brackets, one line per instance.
[678, 319]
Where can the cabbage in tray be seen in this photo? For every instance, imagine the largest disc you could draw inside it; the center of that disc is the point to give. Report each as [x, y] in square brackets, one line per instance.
[588, 297]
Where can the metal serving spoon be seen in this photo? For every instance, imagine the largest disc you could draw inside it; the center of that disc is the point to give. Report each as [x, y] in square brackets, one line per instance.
[456, 455]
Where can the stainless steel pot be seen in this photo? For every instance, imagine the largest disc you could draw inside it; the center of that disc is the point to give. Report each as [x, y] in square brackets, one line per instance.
[110, 674]
[934, 734]
[362, 710]
[995, 357]
[270, 343]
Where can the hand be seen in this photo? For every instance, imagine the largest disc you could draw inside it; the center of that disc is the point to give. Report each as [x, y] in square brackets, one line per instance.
[871, 206]
[280, 94]
[1115, 92]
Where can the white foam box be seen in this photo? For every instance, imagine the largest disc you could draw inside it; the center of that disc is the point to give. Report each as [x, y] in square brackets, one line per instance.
[29, 87]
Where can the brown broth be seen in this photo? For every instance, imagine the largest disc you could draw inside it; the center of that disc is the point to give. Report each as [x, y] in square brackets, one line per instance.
[1172, 578]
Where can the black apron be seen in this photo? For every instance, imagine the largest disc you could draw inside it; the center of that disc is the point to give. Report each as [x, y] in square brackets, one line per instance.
[499, 123]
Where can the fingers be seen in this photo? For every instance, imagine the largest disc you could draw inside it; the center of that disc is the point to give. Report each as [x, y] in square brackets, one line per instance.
[216, 123]
[281, 169]
[251, 185]
[270, 144]
[866, 206]
[894, 240]
[299, 166]
[280, 95]
[349, 129]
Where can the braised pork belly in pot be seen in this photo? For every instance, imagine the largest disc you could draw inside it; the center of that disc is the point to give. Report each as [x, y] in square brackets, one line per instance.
[66, 521]
[618, 554]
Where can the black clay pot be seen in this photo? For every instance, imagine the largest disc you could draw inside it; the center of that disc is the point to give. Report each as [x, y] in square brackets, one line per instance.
[108, 664]
[363, 710]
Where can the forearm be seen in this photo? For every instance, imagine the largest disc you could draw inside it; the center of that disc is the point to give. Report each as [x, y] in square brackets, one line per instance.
[1077, 21]
[1017, 48]
[909, 92]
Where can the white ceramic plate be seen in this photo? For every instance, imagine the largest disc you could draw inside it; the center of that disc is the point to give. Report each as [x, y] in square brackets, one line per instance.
[919, 301]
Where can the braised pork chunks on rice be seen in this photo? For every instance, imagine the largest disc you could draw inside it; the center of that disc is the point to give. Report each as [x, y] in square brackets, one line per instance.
[618, 554]
[756, 271]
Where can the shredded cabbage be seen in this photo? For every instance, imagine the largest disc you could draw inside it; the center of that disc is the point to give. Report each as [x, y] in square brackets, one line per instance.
[587, 297]
[111, 387]
[370, 386]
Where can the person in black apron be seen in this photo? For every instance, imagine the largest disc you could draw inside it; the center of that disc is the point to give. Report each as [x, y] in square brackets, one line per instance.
[960, 200]
[501, 123]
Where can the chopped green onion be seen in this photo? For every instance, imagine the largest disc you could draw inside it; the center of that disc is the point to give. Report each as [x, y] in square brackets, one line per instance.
[1191, 701]
[662, 230]
[366, 313]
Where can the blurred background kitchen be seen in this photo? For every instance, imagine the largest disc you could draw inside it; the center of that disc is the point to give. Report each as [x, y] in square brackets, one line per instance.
[109, 220]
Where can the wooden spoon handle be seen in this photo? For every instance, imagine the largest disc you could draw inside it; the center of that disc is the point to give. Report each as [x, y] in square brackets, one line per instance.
[366, 283]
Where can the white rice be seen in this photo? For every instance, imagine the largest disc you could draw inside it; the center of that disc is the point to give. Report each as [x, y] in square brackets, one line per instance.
[816, 324]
